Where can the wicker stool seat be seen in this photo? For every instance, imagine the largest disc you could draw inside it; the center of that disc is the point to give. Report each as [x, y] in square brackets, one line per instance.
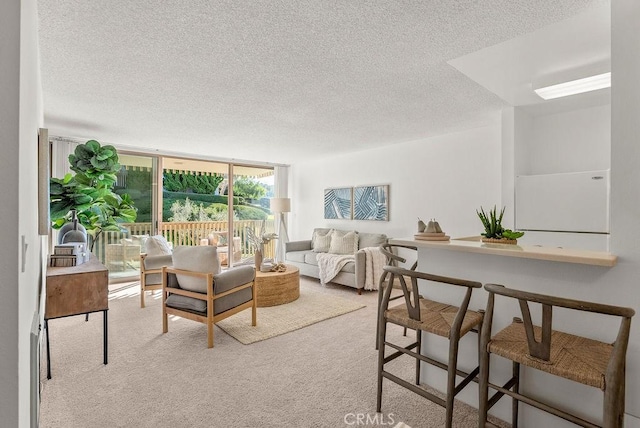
[572, 357]
[435, 317]
[580, 359]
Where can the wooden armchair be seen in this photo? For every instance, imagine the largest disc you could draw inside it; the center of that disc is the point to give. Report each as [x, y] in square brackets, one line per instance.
[151, 273]
[228, 293]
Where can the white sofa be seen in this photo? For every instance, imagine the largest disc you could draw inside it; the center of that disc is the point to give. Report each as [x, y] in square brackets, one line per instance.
[302, 255]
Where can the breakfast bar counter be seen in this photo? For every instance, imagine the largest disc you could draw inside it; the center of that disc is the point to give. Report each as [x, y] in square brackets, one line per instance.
[555, 254]
[561, 272]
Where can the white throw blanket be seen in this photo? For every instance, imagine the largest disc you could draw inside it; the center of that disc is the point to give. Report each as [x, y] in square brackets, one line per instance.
[374, 262]
[331, 264]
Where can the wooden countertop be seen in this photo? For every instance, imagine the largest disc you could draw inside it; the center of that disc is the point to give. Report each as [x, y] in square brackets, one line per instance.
[555, 254]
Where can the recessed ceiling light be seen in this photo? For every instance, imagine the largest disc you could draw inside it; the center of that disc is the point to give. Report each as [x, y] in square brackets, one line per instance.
[578, 86]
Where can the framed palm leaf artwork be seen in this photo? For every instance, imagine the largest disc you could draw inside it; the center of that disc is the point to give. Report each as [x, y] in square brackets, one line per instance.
[337, 203]
[371, 203]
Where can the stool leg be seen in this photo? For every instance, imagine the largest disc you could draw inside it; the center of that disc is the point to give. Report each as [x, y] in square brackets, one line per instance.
[451, 379]
[516, 389]
[418, 350]
[483, 388]
[382, 335]
[614, 398]
[377, 324]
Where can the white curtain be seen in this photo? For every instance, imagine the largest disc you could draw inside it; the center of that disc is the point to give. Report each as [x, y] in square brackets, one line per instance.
[281, 191]
[61, 148]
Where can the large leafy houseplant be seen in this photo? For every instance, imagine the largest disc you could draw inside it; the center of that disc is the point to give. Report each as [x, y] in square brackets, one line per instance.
[90, 192]
[493, 229]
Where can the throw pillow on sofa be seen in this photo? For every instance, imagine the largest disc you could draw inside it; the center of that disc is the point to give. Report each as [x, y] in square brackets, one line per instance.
[321, 243]
[343, 243]
[197, 259]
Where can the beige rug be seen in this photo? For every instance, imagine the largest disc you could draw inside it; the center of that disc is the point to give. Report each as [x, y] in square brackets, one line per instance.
[312, 307]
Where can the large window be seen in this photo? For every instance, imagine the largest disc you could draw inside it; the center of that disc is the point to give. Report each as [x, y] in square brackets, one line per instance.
[188, 202]
[120, 251]
[197, 208]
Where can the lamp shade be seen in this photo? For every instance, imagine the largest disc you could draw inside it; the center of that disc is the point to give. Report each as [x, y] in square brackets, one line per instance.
[280, 205]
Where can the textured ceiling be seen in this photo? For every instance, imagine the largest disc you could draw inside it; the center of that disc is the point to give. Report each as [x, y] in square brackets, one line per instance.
[277, 81]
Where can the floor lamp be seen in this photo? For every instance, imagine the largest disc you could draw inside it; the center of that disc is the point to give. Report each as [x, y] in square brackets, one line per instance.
[281, 206]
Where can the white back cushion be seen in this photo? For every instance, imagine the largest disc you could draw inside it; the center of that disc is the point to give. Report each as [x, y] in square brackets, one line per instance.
[196, 259]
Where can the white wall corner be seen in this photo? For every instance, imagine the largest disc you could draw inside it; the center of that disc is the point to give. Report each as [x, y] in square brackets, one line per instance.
[508, 165]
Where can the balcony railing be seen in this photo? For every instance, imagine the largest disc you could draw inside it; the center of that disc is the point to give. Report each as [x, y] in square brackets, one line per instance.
[189, 233]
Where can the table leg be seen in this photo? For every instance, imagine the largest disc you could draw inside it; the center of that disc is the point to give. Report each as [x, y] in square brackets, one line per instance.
[104, 321]
[46, 328]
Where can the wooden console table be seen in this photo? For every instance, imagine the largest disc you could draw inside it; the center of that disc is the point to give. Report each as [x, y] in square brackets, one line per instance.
[77, 290]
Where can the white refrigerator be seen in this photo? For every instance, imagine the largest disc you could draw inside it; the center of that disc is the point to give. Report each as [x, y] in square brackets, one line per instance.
[569, 210]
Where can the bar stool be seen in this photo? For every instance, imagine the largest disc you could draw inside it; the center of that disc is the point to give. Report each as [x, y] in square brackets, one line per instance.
[583, 360]
[429, 316]
[392, 260]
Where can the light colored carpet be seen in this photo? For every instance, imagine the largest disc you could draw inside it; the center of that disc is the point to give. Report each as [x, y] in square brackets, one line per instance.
[323, 375]
[311, 307]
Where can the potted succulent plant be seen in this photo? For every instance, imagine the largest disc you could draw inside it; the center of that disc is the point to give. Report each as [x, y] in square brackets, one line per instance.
[493, 230]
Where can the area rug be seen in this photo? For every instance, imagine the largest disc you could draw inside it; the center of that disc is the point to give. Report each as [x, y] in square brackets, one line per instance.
[312, 307]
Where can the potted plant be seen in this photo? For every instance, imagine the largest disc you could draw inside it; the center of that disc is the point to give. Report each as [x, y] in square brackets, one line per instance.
[493, 230]
[90, 192]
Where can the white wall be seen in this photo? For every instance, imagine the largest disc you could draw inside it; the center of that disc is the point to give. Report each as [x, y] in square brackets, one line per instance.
[9, 136]
[31, 118]
[622, 285]
[445, 178]
[20, 117]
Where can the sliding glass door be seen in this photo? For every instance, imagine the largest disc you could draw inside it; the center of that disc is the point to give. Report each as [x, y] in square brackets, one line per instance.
[120, 251]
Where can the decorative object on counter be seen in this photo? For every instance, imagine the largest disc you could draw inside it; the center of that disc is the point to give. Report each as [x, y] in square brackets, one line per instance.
[421, 225]
[432, 232]
[493, 230]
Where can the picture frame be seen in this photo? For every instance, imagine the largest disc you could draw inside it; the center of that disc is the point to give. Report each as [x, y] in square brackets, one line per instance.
[371, 203]
[338, 203]
[44, 149]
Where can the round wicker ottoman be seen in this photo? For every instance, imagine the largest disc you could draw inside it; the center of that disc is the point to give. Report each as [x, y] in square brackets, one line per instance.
[277, 288]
